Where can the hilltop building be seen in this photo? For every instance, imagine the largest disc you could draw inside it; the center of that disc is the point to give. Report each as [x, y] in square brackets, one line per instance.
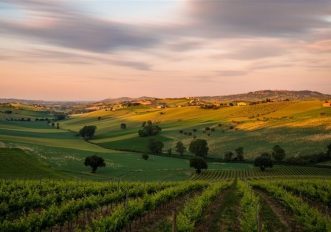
[327, 104]
[241, 104]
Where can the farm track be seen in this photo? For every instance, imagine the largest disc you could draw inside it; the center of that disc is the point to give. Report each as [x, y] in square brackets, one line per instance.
[210, 218]
[86, 217]
[285, 217]
[153, 220]
[223, 213]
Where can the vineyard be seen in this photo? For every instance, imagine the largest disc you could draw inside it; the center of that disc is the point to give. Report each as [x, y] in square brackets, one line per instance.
[276, 172]
[227, 205]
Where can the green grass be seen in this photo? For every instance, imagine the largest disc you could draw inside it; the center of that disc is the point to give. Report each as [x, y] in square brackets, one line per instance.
[301, 127]
[296, 126]
[16, 163]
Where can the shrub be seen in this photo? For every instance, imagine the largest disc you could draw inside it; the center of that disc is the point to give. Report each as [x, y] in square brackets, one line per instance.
[145, 156]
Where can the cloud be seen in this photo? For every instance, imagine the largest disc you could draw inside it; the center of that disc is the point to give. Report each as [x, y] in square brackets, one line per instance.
[231, 73]
[67, 57]
[59, 23]
[56, 23]
[281, 18]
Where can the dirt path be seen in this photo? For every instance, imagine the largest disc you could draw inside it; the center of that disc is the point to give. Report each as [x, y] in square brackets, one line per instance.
[278, 218]
[222, 214]
[156, 220]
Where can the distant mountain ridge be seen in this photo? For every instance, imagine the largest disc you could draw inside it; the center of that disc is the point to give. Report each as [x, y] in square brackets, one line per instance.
[276, 95]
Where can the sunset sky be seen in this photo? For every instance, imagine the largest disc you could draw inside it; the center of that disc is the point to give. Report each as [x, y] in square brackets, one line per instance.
[96, 49]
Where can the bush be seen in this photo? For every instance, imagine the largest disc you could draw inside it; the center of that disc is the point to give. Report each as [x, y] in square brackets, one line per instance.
[87, 132]
[264, 161]
[240, 153]
[278, 153]
[199, 147]
[155, 146]
[198, 163]
[149, 129]
[94, 162]
[145, 156]
[228, 156]
[180, 148]
[123, 126]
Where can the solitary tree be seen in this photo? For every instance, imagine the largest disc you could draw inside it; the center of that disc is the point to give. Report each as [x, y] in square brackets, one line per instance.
[180, 148]
[198, 163]
[94, 162]
[240, 153]
[155, 146]
[228, 156]
[123, 126]
[278, 153]
[264, 161]
[328, 152]
[87, 132]
[145, 156]
[199, 147]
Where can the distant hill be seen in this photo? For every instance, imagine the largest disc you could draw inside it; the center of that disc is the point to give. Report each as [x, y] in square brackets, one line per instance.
[251, 96]
[275, 95]
[41, 102]
[126, 99]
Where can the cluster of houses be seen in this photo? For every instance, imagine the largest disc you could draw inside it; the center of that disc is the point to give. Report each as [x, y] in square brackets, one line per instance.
[162, 105]
[327, 104]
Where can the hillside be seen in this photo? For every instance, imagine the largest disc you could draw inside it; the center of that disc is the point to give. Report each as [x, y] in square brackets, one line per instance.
[275, 95]
[17, 163]
[301, 127]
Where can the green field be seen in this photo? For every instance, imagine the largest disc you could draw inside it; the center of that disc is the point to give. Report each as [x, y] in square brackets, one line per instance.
[299, 127]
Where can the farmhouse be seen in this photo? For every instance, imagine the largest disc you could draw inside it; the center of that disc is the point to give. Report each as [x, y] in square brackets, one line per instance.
[241, 104]
[161, 106]
[327, 104]
[145, 102]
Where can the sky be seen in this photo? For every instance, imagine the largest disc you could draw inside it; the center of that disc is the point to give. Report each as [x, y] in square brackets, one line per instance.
[97, 49]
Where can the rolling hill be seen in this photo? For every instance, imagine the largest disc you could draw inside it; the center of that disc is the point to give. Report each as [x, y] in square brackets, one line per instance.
[301, 127]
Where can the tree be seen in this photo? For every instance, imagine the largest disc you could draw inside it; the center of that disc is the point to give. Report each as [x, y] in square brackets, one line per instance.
[240, 153]
[87, 132]
[169, 151]
[145, 156]
[99, 118]
[123, 126]
[94, 162]
[155, 146]
[199, 147]
[60, 116]
[57, 125]
[198, 163]
[180, 148]
[328, 152]
[149, 129]
[264, 161]
[278, 153]
[228, 155]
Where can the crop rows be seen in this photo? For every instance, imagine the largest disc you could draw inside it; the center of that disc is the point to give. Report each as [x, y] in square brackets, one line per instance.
[257, 173]
[310, 218]
[118, 206]
[69, 208]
